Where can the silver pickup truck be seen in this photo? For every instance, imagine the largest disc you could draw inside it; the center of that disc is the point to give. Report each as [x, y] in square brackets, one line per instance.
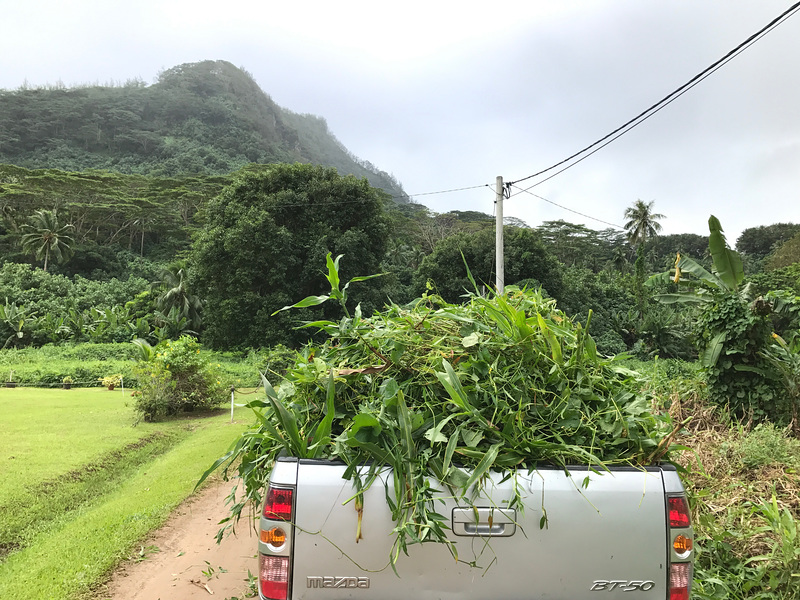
[580, 533]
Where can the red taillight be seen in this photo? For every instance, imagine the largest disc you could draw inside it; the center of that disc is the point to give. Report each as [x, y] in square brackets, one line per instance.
[678, 512]
[680, 578]
[278, 504]
[273, 575]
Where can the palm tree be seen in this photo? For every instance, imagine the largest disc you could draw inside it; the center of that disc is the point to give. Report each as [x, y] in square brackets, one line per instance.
[174, 296]
[642, 222]
[44, 236]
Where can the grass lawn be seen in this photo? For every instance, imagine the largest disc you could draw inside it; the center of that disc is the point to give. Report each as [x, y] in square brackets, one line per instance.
[79, 485]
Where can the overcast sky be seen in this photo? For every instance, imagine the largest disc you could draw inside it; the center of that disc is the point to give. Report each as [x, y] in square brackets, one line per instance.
[449, 95]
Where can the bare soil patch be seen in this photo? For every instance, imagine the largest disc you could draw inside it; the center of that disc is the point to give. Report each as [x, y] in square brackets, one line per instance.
[188, 563]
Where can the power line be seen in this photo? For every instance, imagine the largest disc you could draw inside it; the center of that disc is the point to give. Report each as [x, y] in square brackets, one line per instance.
[565, 208]
[473, 187]
[668, 99]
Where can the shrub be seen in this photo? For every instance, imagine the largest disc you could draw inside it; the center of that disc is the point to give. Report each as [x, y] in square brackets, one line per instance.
[111, 381]
[178, 379]
[155, 399]
[741, 376]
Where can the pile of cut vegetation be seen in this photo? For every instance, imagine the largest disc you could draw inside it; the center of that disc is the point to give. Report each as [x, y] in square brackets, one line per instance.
[433, 389]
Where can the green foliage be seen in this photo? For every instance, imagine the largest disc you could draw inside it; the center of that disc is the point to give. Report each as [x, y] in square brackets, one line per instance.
[765, 445]
[733, 334]
[107, 213]
[760, 241]
[661, 250]
[788, 253]
[175, 296]
[264, 234]
[44, 236]
[47, 367]
[607, 295]
[642, 223]
[527, 260]
[727, 262]
[578, 246]
[178, 379]
[785, 278]
[498, 383]
[51, 308]
[785, 359]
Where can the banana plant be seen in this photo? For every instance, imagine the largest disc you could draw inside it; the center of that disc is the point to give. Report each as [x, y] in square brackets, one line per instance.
[704, 286]
[13, 317]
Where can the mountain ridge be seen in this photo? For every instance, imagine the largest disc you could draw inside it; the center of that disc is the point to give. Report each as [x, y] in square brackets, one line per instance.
[207, 117]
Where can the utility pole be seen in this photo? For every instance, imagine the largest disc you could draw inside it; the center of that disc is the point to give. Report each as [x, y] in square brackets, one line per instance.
[500, 268]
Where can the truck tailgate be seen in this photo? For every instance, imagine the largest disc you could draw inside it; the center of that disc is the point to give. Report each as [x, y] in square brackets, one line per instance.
[606, 540]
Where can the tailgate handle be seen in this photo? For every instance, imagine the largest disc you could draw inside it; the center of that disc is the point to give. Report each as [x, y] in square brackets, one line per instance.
[472, 529]
[484, 522]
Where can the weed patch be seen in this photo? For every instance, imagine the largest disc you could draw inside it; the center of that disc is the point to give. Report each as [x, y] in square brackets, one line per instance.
[744, 488]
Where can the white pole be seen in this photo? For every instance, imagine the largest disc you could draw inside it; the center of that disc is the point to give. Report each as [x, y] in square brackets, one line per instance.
[500, 268]
[233, 390]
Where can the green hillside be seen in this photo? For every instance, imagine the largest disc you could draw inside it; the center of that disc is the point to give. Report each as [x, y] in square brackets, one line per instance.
[206, 118]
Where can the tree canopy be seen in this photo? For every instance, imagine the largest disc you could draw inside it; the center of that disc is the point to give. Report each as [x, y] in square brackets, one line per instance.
[527, 261]
[267, 236]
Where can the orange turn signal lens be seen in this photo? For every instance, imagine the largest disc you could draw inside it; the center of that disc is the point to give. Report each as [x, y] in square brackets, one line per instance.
[682, 544]
[275, 536]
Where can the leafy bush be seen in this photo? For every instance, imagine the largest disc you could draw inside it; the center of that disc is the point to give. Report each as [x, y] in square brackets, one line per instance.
[155, 397]
[741, 376]
[178, 379]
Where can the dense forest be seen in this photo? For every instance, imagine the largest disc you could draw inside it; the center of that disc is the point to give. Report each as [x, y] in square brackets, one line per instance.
[197, 206]
[139, 236]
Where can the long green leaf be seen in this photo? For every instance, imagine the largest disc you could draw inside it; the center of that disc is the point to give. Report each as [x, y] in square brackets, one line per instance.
[451, 383]
[484, 465]
[683, 298]
[552, 341]
[712, 351]
[304, 303]
[287, 420]
[322, 437]
[727, 262]
[404, 419]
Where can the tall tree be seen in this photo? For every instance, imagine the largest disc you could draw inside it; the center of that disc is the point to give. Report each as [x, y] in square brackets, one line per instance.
[642, 222]
[265, 244]
[44, 236]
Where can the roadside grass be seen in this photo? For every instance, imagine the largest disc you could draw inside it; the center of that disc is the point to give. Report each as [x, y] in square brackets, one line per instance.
[46, 433]
[85, 486]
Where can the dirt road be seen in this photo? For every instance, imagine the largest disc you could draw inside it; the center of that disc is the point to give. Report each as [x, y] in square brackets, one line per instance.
[182, 561]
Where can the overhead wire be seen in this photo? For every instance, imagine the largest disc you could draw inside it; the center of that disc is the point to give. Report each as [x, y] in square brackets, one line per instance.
[668, 99]
[521, 190]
